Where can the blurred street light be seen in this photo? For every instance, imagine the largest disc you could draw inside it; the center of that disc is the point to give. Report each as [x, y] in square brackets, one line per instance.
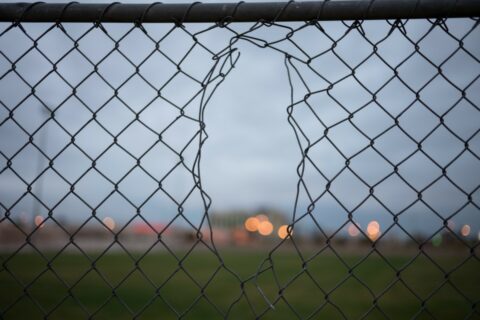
[265, 228]
[353, 230]
[39, 221]
[262, 217]
[109, 223]
[283, 232]
[465, 231]
[373, 230]
[251, 224]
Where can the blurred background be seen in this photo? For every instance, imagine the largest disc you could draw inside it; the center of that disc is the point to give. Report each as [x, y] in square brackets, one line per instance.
[134, 112]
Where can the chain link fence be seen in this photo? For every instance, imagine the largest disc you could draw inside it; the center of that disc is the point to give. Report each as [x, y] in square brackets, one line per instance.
[101, 120]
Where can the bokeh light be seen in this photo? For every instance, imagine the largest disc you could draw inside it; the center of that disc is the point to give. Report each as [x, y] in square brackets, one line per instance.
[39, 221]
[465, 231]
[451, 224]
[373, 230]
[109, 223]
[262, 217]
[265, 228]
[251, 224]
[283, 231]
[353, 230]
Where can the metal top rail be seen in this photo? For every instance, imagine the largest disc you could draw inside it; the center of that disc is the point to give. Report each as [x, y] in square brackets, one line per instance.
[239, 12]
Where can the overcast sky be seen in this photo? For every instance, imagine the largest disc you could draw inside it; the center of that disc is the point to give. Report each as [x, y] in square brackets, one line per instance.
[250, 158]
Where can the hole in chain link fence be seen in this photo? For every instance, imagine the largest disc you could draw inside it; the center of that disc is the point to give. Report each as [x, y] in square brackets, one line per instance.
[246, 170]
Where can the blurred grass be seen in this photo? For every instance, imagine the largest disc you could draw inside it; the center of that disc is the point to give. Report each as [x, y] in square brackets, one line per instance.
[353, 295]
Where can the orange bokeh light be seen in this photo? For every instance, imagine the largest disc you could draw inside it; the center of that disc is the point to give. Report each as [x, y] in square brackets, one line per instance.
[265, 228]
[39, 221]
[251, 224]
[353, 230]
[373, 230]
[465, 231]
[283, 232]
[262, 217]
[109, 223]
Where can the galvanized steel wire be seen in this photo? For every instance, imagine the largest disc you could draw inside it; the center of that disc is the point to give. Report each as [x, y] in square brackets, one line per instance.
[224, 62]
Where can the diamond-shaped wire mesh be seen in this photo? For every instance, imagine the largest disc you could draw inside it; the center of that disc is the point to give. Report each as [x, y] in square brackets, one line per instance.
[386, 118]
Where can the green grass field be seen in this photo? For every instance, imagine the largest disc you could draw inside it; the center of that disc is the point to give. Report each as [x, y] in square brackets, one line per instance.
[137, 296]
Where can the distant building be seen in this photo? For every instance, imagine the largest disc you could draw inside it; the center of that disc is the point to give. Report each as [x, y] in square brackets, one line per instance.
[236, 219]
[229, 226]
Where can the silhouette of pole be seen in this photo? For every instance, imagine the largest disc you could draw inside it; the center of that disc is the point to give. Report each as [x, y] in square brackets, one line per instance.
[38, 187]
